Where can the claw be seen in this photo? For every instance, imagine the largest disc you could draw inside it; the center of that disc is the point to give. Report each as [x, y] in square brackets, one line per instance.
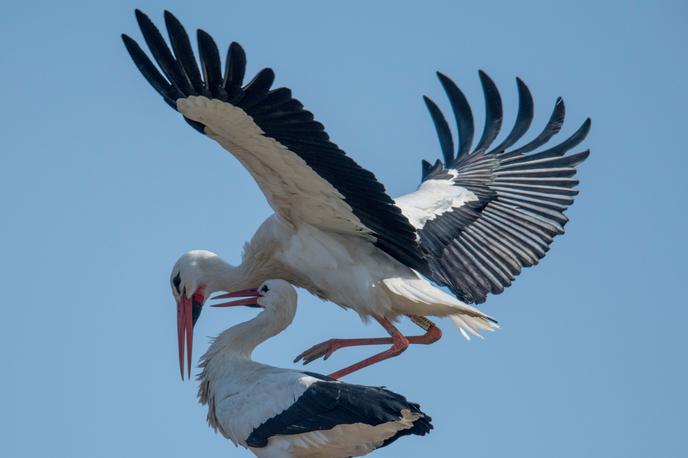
[322, 350]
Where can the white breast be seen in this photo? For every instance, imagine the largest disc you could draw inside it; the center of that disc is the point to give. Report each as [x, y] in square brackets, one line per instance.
[343, 269]
[252, 394]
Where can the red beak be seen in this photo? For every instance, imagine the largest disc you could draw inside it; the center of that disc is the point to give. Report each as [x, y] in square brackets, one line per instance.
[188, 311]
[250, 295]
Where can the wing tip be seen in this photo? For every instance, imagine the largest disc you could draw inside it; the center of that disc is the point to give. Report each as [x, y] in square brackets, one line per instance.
[523, 88]
[171, 21]
[144, 21]
[205, 39]
[236, 47]
[486, 80]
[268, 71]
[560, 103]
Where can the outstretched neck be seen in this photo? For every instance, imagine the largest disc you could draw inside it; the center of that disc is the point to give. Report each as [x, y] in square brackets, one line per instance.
[231, 351]
[238, 342]
[222, 276]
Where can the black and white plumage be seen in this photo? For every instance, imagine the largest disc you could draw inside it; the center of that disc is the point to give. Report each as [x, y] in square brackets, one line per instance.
[483, 215]
[286, 413]
[318, 183]
[475, 221]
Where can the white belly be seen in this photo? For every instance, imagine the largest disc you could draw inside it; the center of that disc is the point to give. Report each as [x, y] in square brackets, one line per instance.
[353, 273]
[343, 269]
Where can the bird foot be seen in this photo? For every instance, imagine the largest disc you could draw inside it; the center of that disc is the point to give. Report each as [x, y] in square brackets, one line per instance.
[322, 350]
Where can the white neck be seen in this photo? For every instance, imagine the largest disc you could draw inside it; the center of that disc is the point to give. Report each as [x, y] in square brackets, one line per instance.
[238, 342]
[218, 275]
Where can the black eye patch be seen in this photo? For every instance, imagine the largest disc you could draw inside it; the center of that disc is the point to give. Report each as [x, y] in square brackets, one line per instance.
[176, 281]
[264, 289]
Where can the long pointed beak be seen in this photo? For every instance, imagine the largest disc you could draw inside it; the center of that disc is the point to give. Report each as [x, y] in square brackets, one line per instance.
[184, 332]
[188, 311]
[250, 298]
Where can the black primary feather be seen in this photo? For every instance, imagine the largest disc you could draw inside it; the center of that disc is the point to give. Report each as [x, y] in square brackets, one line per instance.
[493, 112]
[162, 55]
[480, 247]
[523, 118]
[462, 114]
[210, 64]
[280, 117]
[326, 404]
[181, 46]
[235, 70]
[443, 132]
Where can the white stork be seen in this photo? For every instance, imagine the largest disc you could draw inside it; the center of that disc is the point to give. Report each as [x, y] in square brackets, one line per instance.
[278, 412]
[475, 221]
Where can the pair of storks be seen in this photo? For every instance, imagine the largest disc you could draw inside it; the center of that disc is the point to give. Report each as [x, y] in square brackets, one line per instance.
[477, 218]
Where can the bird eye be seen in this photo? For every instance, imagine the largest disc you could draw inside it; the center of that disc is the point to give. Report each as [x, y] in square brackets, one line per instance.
[264, 289]
[177, 281]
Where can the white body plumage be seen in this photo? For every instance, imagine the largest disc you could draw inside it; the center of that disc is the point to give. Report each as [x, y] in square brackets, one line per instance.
[270, 410]
[478, 218]
[346, 270]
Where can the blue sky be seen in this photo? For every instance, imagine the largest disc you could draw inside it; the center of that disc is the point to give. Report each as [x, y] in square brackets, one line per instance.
[102, 187]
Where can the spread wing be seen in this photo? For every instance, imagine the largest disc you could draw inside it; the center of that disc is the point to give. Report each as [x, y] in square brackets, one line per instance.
[484, 215]
[304, 176]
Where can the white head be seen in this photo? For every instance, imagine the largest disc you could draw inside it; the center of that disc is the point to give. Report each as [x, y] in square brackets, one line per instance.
[276, 297]
[196, 271]
[199, 273]
[194, 277]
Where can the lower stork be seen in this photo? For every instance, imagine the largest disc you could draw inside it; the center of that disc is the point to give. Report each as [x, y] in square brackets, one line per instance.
[476, 220]
[278, 412]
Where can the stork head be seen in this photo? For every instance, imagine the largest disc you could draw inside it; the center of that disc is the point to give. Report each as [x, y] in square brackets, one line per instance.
[276, 297]
[191, 281]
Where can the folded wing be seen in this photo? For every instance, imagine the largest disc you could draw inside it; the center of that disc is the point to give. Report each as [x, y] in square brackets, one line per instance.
[328, 404]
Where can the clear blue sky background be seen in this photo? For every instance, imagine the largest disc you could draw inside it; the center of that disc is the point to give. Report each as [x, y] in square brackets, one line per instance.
[102, 187]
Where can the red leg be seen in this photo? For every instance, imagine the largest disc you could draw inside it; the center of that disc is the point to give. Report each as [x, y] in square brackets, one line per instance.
[399, 345]
[432, 332]
[327, 348]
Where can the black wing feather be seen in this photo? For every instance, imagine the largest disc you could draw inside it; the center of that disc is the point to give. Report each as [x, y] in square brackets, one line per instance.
[235, 70]
[480, 247]
[181, 46]
[325, 405]
[280, 117]
[462, 114]
[257, 90]
[493, 112]
[162, 55]
[523, 119]
[553, 126]
[210, 63]
[150, 72]
[443, 132]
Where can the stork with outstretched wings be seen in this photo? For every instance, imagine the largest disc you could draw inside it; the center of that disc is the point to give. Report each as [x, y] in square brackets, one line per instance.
[478, 217]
